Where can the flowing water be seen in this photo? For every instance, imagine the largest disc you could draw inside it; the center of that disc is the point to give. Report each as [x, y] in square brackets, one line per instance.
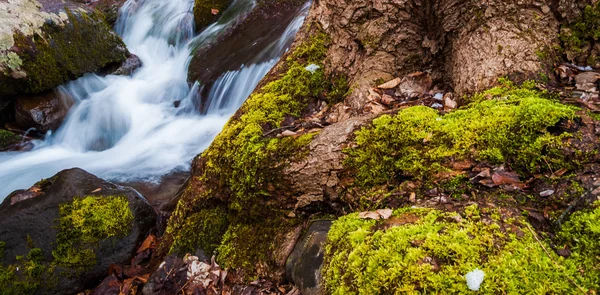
[144, 126]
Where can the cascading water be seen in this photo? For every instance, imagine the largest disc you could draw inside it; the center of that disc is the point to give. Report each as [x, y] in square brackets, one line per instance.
[144, 126]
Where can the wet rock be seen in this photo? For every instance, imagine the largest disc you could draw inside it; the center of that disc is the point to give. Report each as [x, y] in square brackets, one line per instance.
[110, 9]
[47, 43]
[29, 219]
[44, 112]
[242, 43]
[208, 11]
[8, 140]
[304, 265]
[130, 65]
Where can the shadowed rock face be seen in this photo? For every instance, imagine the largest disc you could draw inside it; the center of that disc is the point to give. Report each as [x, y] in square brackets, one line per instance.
[45, 44]
[242, 45]
[31, 215]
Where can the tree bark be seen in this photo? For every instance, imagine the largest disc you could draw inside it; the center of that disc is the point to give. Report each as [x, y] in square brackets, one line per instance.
[466, 45]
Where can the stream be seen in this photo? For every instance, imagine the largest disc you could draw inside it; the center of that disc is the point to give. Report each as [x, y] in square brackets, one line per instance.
[142, 127]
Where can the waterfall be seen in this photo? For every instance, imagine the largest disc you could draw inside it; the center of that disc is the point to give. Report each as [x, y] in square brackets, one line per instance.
[144, 126]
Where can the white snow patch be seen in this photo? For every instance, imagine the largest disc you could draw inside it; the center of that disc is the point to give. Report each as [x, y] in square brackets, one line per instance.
[312, 68]
[474, 279]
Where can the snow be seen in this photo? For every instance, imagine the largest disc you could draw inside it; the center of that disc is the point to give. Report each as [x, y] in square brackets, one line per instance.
[474, 279]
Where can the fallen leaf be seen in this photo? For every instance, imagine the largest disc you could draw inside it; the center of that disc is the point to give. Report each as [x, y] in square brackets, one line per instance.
[390, 84]
[504, 177]
[149, 243]
[96, 190]
[214, 11]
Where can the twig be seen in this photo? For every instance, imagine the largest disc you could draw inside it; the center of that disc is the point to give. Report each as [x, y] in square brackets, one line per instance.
[550, 256]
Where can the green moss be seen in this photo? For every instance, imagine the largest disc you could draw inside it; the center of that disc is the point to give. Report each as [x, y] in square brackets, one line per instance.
[513, 129]
[251, 246]
[581, 234]
[424, 251]
[581, 33]
[84, 223]
[202, 230]
[241, 158]
[7, 139]
[60, 54]
[23, 277]
[241, 183]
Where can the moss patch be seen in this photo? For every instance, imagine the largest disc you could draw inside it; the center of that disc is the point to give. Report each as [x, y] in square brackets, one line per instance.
[579, 36]
[202, 230]
[425, 251]
[23, 277]
[241, 172]
[63, 53]
[507, 124]
[84, 223]
[7, 139]
[581, 234]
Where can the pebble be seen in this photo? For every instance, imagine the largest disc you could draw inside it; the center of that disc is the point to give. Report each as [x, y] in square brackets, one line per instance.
[437, 106]
[547, 193]
[438, 96]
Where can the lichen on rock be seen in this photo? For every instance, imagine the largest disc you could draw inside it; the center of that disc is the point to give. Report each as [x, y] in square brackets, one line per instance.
[41, 49]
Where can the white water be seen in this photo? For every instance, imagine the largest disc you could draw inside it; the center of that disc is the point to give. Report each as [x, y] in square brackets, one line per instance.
[128, 128]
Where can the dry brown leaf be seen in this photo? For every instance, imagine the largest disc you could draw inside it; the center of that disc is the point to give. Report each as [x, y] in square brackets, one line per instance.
[149, 243]
[96, 190]
[390, 84]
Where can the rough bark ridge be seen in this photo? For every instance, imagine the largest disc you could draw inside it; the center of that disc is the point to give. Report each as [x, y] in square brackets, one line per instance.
[465, 44]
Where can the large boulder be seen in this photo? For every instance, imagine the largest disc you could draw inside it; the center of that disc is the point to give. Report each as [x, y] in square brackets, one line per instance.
[47, 43]
[61, 235]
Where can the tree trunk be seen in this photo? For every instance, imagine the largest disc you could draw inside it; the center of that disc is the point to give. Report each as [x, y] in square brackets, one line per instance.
[466, 45]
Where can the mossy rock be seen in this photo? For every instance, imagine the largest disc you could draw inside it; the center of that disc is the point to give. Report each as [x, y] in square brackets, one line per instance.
[240, 174]
[208, 11]
[54, 47]
[64, 232]
[426, 251]
[8, 139]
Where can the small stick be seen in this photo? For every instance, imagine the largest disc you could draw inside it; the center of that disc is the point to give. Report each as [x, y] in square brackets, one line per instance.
[550, 256]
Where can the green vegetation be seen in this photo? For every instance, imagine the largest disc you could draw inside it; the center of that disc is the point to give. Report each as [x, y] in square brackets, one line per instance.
[241, 158]
[581, 234]
[84, 223]
[581, 33]
[235, 202]
[425, 251]
[203, 230]
[67, 56]
[245, 244]
[511, 128]
[7, 139]
[23, 277]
